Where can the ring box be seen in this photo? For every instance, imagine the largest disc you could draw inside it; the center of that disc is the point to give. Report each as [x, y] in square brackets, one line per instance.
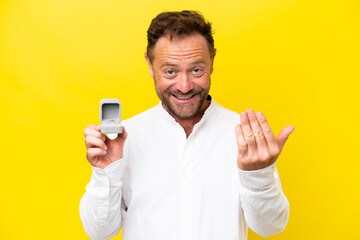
[110, 116]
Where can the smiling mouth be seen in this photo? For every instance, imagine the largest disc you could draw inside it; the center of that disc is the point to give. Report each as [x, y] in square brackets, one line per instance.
[184, 100]
[183, 97]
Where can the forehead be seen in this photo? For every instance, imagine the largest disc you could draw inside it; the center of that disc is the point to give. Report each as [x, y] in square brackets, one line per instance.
[181, 48]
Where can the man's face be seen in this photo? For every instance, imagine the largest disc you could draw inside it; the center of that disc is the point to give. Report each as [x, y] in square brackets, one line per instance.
[181, 69]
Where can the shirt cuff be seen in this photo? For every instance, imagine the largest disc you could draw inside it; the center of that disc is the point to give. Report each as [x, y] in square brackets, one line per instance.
[257, 179]
[111, 175]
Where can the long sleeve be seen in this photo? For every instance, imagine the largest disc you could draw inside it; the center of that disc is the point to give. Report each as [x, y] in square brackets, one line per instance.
[265, 206]
[100, 206]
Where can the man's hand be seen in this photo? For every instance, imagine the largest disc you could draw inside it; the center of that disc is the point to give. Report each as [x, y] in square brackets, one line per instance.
[101, 151]
[257, 145]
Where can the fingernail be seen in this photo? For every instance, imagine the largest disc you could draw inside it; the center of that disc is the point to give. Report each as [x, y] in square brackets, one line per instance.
[251, 112]
[260, 115]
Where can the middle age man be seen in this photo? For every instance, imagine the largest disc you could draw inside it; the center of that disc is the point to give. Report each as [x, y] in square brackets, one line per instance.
[186, 170]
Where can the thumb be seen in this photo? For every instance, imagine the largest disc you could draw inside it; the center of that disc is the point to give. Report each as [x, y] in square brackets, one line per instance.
[283, 135]
[121, 137]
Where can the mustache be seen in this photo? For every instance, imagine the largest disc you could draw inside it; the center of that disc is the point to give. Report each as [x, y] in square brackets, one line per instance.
[187, 94]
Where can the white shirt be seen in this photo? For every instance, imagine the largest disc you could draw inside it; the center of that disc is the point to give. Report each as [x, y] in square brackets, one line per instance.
[169, 187]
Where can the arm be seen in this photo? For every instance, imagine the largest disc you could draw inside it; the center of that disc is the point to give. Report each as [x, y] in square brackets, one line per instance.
[100, 207]
[266, 208]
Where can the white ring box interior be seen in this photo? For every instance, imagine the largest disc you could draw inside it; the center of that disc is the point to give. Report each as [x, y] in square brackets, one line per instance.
[110, 116]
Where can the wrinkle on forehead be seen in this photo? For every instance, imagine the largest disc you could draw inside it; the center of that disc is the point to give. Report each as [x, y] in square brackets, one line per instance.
[187, 48]
[182, 57]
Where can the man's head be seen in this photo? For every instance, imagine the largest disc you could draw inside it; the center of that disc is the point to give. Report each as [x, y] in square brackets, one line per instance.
[174, 24]
[180, 56]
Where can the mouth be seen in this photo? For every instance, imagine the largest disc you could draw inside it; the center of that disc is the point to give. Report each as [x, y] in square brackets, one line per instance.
[183, 99]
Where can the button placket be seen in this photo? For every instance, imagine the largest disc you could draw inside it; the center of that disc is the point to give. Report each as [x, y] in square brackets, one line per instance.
[185, 180]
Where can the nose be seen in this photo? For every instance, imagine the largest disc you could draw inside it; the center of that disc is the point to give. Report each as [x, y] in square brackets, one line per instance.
[184, 84]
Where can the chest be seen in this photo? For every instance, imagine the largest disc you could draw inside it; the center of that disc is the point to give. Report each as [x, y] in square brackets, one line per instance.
[170, 166]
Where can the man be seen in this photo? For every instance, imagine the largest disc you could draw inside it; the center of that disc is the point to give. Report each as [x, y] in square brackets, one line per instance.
[186, 168]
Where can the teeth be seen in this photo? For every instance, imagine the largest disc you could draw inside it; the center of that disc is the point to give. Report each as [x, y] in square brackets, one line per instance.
[183, 98]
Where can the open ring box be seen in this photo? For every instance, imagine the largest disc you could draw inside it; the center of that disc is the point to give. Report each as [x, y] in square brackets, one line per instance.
[110, 117]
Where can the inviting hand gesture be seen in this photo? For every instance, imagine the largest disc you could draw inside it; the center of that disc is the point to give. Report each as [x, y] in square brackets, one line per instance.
[257, 145]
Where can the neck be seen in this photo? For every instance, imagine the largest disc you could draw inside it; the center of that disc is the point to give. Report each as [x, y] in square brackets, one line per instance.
[188, 123]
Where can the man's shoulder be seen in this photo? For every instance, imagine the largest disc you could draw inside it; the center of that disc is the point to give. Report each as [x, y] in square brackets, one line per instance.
[225, 113]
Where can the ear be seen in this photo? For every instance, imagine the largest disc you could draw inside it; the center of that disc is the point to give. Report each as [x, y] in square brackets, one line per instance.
[212, 61]
[151, 72]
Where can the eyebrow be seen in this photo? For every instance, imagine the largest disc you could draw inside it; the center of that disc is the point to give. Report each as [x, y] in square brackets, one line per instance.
[175, 65]
[197, 62]
[168, 64]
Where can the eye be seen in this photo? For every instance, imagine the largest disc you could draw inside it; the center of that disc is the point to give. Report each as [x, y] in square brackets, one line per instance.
[170, 72]
[197, 71]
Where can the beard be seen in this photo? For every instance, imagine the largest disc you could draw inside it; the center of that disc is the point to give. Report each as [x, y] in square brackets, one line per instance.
[184, 111]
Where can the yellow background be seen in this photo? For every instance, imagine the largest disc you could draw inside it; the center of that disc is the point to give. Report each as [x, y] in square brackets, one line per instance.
[296, 61]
